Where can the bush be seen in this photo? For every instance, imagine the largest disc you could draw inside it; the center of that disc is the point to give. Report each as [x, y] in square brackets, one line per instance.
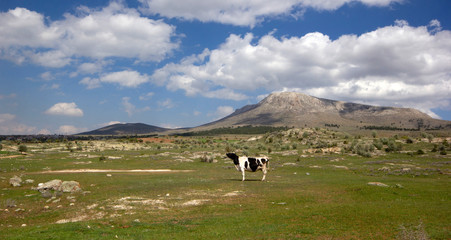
[206, 158]
[393, 146]
[23, 148]
[378, 144]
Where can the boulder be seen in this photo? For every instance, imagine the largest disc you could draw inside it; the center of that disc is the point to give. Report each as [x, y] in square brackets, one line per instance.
[70, 186]
[379, 184]
[15, 181]
[29, 181]
[50, 185]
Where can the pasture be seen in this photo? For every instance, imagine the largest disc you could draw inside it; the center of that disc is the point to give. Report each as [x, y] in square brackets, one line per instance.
[321, 184]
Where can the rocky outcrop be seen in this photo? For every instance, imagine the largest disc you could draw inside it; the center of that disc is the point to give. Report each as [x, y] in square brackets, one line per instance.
[60, 186]
[15, 181]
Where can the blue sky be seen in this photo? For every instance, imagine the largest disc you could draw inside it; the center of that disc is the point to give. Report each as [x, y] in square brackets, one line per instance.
[73, 66]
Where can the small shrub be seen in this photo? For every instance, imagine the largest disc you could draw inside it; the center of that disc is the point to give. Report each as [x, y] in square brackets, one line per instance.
[413, 233]
[23, 148]
[102, 158]
[378, 144]
[10, 203]
[420, 152]
[206, 158]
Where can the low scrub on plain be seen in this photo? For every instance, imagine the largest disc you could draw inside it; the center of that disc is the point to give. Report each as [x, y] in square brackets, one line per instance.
[321, 184]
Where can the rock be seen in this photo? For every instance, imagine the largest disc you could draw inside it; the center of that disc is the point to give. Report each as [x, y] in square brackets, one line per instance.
[46, 194]
[341, 167]
[379, 184]
[384, 169]
[70, 186]
[50, 185]
[29, 181]
[15, 181]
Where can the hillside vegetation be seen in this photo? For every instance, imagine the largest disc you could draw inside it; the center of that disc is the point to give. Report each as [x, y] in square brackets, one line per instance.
[323, 184]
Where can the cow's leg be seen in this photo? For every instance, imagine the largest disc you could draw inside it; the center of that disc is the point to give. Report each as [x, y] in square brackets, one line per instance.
[242, 171]
[264, 172]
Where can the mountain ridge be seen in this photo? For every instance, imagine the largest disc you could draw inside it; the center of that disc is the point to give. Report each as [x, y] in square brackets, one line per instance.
[299, 110]
[295, 109]
[125, 129]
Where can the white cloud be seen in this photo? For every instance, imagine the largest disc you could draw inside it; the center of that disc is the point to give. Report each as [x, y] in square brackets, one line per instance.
[125, 78]
[131, 109]
[91, 83]
[65, 109]
[243, 13]
[44, 132]
[10, 125]
[221, 112]
[394, 65]
[109, 123]
[146, 96]
[166, 103]
[69, 129]
[12, 95]
[113, 31]
[47, 76]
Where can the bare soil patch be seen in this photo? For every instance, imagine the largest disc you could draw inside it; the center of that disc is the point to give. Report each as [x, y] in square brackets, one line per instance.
[113, 171]
[156, 140]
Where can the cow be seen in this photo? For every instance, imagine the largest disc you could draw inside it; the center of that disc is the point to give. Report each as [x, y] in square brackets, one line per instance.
[249, 164]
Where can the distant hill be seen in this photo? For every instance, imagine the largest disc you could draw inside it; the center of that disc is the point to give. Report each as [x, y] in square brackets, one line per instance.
[125, 129]
[301, 110]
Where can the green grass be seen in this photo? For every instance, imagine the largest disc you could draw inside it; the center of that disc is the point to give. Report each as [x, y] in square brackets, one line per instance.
[309, 197]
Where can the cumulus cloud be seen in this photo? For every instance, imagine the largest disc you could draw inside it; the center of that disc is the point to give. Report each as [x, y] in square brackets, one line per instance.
[10, 125]
[221, 112]
[146, 96]
[127, 78]
[166, 103]
[113, 31]
[69, 129]
[130, 108]
[393, 65]
[243, 13]
[65, 109]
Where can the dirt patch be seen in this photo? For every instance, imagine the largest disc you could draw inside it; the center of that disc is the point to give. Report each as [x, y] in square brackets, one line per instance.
[156, 140]
[12, 156]
[113, 171]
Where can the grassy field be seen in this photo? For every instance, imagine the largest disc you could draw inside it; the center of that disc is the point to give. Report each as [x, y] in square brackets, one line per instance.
[317, 188]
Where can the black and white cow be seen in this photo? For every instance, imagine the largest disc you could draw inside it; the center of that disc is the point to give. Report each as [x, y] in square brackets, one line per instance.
[249, 164]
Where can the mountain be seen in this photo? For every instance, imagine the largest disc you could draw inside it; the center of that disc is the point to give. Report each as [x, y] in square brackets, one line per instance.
[125, 129]
[300, 110]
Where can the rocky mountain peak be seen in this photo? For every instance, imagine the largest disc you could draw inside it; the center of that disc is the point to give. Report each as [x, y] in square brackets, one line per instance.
[296, 102]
